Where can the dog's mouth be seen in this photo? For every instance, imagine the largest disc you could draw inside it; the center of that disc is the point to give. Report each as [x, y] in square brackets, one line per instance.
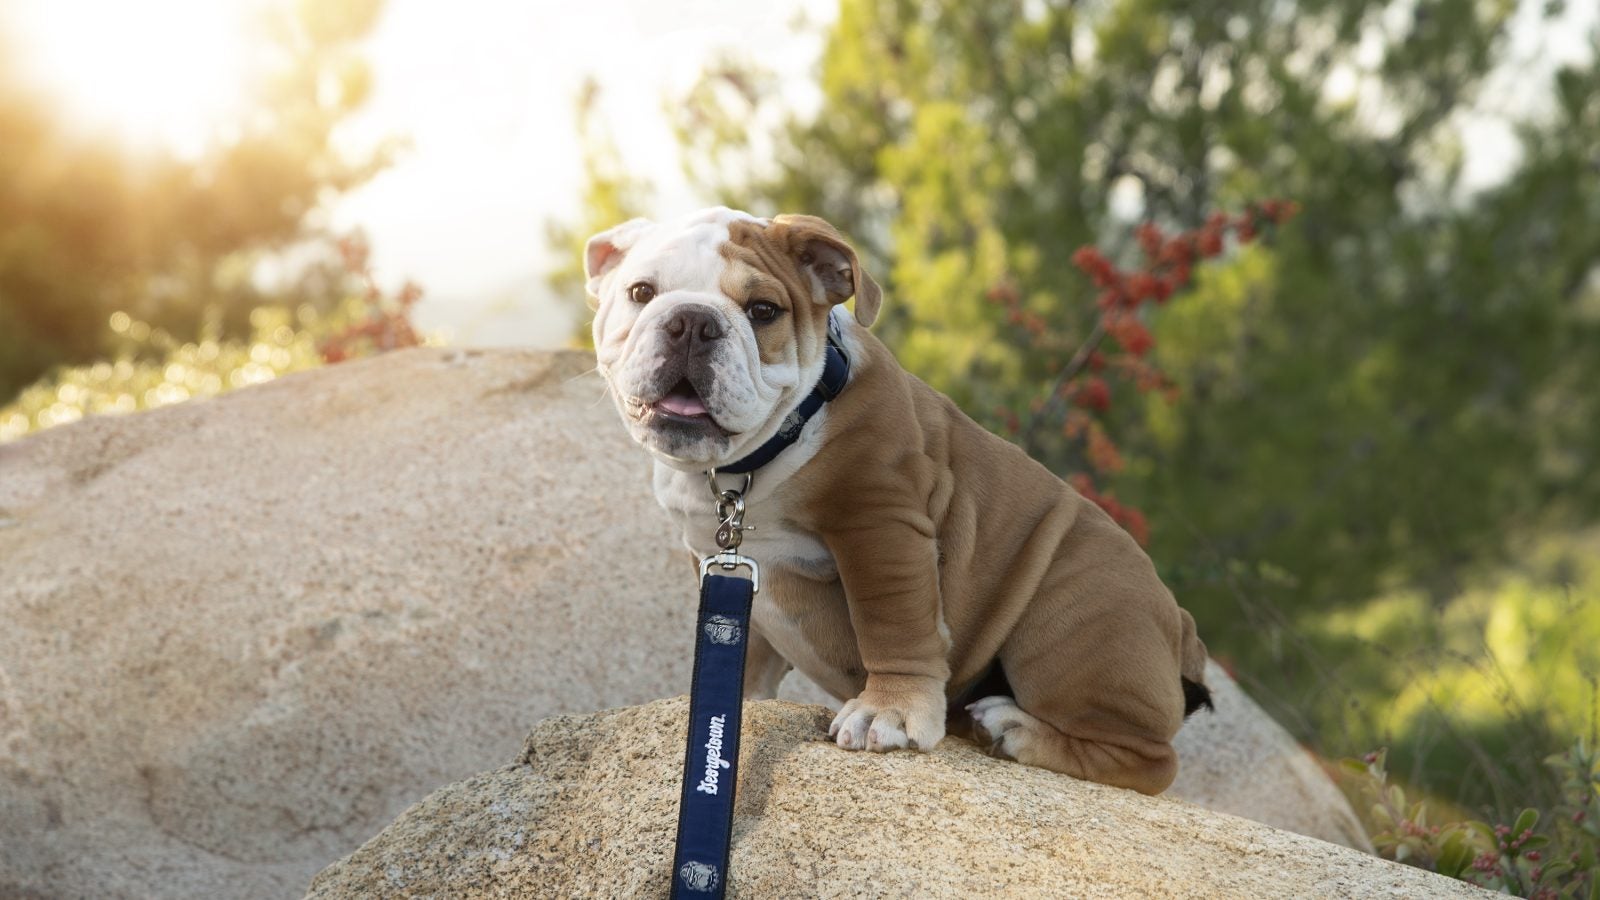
[682, 402]
[682, 405]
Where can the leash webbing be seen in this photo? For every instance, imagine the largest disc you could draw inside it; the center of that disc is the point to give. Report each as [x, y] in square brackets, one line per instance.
[711, 760]
[716, 696]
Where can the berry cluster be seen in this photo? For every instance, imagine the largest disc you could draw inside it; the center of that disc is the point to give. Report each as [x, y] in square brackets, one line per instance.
[1165, 268]
[387, 323]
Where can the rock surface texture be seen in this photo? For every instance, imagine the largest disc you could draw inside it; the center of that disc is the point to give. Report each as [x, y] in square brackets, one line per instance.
[590, 807]
[240, 636]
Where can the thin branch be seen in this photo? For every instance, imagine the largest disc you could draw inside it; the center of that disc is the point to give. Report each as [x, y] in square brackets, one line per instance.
[1075, 365]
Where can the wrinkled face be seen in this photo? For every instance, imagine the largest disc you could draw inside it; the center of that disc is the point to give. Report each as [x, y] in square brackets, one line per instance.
[710, 329]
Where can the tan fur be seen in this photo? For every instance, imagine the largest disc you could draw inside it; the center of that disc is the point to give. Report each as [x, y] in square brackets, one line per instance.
[937, 528]
[905, 551]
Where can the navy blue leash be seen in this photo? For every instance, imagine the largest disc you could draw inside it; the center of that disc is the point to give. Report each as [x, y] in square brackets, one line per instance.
[711, 762]
[716, 698]
[716, 702]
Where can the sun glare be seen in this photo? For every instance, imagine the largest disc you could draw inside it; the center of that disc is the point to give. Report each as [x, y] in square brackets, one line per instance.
[161, 73]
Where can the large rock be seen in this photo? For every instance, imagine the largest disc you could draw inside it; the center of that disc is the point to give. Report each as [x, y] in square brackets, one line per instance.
[1236, 760]
[590, 807]
[239, 636]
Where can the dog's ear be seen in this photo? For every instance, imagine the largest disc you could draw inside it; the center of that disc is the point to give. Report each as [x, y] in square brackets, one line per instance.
[605, 250]
[819, 249]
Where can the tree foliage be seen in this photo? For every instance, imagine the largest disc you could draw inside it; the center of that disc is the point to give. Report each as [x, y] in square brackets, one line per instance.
[148, 367]
[88, 228]
[610, 197]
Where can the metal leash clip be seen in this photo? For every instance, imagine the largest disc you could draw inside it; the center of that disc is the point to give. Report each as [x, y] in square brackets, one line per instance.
[730, 531]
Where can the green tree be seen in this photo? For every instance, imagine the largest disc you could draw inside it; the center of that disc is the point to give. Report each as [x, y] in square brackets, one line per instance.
[88, 228]
[610, 196]
[1394, 396]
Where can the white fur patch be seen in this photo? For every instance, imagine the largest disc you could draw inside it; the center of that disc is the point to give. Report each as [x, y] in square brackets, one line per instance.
[1002, 725]
[683, 260]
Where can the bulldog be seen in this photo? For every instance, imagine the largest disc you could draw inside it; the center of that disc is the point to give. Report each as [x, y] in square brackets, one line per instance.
[922, 570]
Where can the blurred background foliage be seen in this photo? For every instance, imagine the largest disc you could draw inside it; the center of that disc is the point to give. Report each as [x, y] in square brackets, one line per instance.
[187, 247]
[1376, 489]
[610, 195]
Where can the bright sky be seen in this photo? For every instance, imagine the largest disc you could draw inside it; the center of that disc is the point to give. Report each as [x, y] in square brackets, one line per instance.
[484, 90]
[152, 72]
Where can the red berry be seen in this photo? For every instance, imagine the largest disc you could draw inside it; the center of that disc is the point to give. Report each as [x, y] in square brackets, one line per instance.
[1102, 452]
[1150, 239]
[1141, 286]
[1095, 394]
[1134, 521]
[1178, 251]
[1132, 335]
[1094, 264]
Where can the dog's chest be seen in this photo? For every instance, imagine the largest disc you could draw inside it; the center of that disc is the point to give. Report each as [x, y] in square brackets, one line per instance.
[774, 540]
[801, 610]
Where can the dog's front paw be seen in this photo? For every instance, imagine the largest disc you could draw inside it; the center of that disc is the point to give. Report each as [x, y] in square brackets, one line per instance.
[894, 712]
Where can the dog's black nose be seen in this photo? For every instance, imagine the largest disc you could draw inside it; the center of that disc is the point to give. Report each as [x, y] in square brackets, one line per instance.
[695, 328]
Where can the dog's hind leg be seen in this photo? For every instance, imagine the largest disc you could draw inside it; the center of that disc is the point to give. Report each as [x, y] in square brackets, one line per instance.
[1096, 676]
[764, 668]
[1008, 731]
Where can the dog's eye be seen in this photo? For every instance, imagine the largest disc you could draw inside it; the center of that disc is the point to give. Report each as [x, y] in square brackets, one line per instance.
[762, 311]
[643, 292]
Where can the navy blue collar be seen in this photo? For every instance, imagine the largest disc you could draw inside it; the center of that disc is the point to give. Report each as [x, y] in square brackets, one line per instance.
[835, 373]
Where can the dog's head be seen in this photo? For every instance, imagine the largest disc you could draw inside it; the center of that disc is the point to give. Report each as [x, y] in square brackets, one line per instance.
[711, 329]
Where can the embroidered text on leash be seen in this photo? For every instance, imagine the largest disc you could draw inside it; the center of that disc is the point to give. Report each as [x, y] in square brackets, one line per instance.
[714, 760]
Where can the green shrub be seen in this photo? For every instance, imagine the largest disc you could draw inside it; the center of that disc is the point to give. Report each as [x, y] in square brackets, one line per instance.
[1560, 859]
[153, 369]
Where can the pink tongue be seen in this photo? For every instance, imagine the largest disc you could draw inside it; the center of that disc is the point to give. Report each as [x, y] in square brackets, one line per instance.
[683, 406]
